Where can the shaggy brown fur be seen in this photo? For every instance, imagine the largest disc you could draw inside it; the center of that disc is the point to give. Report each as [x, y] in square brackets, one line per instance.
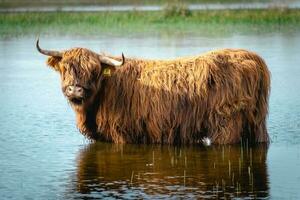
[222, 95]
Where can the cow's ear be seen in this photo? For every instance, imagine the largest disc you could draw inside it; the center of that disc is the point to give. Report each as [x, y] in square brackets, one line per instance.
[107, 70]
[53, 62]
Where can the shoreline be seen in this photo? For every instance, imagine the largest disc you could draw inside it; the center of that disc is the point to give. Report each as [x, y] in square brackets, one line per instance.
[90, 23]
[126, 8]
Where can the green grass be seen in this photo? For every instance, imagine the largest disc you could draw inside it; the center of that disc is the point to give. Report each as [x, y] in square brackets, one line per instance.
[84, 23]
[34, 3]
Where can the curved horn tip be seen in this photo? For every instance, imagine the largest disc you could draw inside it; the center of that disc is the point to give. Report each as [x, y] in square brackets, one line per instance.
[47, 52]
[37, 43]
[123, 58]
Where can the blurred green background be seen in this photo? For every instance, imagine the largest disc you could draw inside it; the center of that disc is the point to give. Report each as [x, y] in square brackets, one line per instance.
[144, 16]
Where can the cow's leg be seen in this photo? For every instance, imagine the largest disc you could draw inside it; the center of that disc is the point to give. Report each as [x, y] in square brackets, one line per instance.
[255, 129]
[226, 129]
[260, 131]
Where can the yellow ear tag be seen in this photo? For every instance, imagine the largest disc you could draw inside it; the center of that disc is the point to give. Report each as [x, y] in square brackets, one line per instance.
[106, 72]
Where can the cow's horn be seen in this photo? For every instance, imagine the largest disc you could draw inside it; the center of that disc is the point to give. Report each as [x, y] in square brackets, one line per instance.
[47, 52]
[110, 61]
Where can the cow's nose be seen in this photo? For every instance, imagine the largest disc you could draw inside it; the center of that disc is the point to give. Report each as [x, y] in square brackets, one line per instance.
[74, 91]
[79, 89]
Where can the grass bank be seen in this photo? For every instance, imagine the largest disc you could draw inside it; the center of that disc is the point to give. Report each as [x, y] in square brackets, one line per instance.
[35, 3]
[83, 23]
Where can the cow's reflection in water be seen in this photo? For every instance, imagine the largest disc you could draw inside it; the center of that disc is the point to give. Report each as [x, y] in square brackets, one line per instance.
[133, 171]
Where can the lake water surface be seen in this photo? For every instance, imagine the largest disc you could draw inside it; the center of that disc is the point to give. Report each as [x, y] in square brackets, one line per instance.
[43, 156]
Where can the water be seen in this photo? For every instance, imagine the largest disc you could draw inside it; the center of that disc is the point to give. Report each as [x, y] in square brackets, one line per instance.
[43, 156]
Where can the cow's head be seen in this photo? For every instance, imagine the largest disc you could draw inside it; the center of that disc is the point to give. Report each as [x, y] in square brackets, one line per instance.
[81, 72]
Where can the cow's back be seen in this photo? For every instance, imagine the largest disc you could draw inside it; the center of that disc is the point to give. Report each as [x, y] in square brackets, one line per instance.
[186, 99]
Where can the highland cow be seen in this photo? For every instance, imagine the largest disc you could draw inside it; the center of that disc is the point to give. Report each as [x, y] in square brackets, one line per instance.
[221, 95]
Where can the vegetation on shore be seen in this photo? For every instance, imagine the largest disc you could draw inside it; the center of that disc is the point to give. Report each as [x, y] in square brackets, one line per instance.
[37, 3]
[172, 20]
